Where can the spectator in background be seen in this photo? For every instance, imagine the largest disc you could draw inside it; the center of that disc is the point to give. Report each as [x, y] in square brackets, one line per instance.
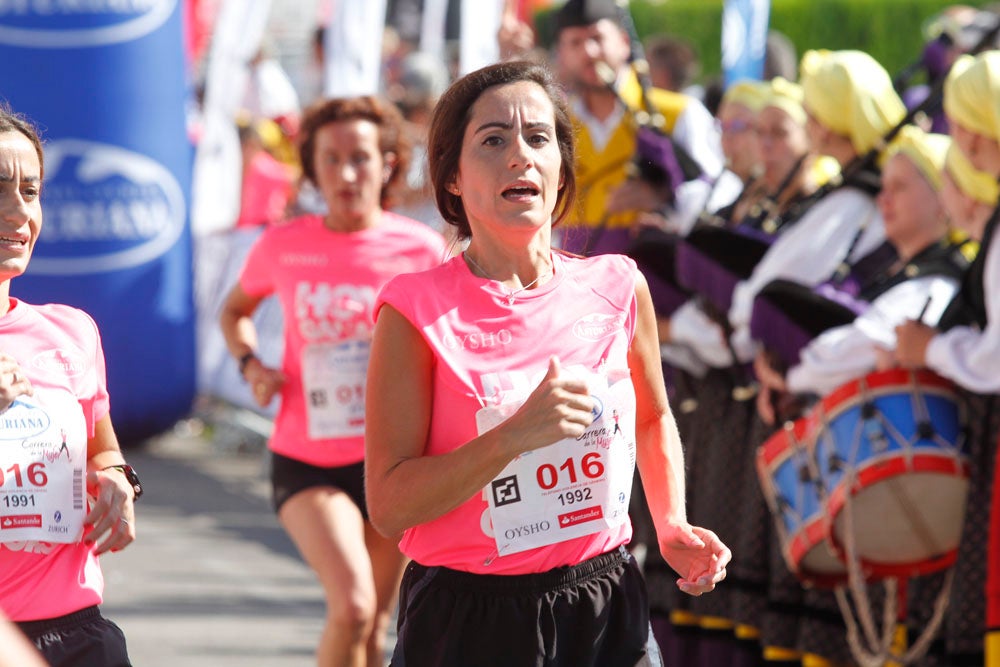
[268, 183]
[269, 92]
[593, 56]
[673, 64]
[780, 57]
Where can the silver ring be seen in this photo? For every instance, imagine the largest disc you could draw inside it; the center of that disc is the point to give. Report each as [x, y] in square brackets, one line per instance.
[123, 520]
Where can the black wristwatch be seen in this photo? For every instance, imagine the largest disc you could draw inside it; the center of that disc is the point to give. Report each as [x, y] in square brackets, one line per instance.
[131, 476]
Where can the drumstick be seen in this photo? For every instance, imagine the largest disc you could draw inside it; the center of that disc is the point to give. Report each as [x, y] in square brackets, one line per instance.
[923, 311]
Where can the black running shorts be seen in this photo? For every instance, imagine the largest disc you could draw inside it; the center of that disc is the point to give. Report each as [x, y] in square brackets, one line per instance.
[595, 614]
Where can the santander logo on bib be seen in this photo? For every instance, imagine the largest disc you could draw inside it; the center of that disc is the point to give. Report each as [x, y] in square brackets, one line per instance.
[595, 326]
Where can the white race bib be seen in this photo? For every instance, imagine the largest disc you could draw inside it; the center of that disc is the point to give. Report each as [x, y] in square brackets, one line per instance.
[43, 467]
[333, 381]
[572, 488]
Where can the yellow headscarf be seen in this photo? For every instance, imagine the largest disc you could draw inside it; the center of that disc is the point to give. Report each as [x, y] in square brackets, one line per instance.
[972, 93]
[851, 94]
[748, 92]
[974, 183]
[925, 150]
[787, 96]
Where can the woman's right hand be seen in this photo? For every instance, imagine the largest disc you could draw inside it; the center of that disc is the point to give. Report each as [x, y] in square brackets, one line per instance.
[13, 381]
[559, 408]
[264, 382]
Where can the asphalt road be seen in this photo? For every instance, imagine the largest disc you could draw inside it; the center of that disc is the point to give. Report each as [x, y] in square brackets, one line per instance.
[211, 580]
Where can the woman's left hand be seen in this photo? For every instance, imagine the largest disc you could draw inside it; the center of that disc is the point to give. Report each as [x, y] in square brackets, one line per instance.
[695, 553]
[112, 511]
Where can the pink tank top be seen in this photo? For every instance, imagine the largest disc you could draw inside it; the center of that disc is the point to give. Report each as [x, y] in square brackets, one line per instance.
[491, 351]
[326, 282]
[59, 349]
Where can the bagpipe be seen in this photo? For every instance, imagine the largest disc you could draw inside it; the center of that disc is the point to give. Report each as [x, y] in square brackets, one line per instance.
[659, 160]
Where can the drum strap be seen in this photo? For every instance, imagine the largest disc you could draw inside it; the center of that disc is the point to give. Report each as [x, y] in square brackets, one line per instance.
[879, 648]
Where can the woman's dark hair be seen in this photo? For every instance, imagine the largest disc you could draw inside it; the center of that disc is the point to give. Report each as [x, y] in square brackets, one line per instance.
[14, 122]
[451, 117]
[385, 115]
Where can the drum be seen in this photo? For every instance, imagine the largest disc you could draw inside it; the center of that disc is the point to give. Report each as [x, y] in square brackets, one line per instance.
[891, 444]
[795, 491]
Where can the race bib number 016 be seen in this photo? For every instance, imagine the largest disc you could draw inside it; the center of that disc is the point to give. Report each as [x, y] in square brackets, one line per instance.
[572, 488]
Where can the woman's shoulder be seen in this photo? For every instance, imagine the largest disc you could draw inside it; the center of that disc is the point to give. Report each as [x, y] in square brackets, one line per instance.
[67, 319]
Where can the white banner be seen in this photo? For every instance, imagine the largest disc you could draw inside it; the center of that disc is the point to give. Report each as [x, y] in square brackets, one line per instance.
[353, 48]
[480, 25]
[218, 164]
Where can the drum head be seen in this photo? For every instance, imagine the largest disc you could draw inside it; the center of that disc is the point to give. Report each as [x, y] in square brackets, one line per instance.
[895, 448]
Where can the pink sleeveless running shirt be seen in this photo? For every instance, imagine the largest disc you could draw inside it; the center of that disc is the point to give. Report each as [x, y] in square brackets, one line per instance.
[326, 282]
[45, 568]
[566, 502]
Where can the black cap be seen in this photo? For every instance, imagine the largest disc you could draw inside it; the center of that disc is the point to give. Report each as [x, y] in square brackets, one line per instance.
[577, 13]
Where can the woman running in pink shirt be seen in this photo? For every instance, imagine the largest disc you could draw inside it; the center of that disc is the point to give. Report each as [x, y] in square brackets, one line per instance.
[495, 385]
[326, 271]
[59, 456]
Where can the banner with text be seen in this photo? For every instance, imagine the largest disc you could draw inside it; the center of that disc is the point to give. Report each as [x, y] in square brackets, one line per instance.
[105, 83]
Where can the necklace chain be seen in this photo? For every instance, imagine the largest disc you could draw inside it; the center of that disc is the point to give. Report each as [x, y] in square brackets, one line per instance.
[510, 293]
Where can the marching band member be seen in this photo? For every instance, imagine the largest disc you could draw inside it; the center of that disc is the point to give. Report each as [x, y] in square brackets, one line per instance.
[967, 351]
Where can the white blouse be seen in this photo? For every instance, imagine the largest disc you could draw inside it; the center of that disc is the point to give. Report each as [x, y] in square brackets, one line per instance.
[843, 353]
[966, 355]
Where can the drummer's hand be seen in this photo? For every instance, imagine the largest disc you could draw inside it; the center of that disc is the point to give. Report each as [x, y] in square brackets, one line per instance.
[634, 195]
[765, 405]
[884, 359]
[264, 382]
[112, 510]
[697, 554]
[766, 373]
[912, 339]
[13, 381]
